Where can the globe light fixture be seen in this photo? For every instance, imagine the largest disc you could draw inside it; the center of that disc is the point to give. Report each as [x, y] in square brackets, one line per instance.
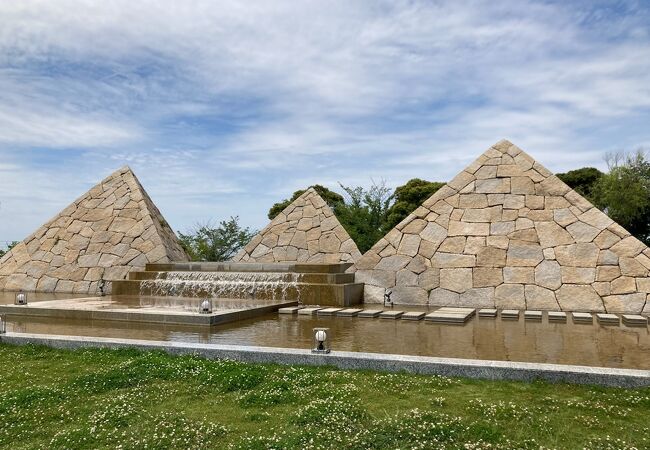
[206, 307]
[321, 341]
[3, 323]
[21, 298]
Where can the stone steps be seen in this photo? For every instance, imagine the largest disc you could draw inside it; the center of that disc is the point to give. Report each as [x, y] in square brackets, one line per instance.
[311, 284]
[249, 267]
[317, 278]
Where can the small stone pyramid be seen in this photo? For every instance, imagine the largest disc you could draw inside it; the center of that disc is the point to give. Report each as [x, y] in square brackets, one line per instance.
[113, 228]
[305, 231]
[507, 233]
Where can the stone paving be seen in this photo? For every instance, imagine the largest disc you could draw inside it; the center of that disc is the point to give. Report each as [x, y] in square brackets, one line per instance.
[533, 315]
[506, 233]
[487, 312]
[582, 317]
[461, 315]
[328, 311]
[305, 231]
[308, 311]
[349, 312]
[635, 320]
[608, 319]
[510, 314]
[104, 234]
[556, 316]
[391, 314]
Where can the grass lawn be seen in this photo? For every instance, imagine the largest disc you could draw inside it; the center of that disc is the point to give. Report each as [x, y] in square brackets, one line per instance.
[54, 399]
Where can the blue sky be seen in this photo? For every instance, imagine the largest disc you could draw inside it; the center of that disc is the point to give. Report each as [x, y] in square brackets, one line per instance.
[224, 107]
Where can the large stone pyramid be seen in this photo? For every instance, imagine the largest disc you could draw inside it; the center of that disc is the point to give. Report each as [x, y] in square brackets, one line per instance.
[306, 231]
[110, 230]
[507, 233]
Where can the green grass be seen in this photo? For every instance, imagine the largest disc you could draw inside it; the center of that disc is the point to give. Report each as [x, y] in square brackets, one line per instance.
[55, 399]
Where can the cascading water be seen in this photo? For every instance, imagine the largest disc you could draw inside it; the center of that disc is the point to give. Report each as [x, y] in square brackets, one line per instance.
[239, 285]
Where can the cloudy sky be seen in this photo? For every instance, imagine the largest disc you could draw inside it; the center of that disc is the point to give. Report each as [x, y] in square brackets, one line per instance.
[224, 107]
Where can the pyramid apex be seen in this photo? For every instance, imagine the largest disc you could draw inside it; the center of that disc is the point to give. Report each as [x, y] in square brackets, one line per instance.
[305, 231]
[503, 145]
[120, 210]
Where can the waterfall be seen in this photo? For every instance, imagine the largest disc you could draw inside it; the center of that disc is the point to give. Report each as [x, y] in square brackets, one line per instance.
[237, 285]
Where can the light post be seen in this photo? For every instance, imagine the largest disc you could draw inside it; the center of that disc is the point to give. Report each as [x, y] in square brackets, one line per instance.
[321, 341]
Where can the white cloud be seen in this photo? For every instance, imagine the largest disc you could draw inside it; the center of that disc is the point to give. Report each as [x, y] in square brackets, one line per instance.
[222, 107]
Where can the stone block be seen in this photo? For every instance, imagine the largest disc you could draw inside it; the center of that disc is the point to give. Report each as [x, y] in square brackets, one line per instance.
[579, 297]
[407, 295]
[477, 298]
[488, 215]
[493, 186]
[606, 239]
[578, 275]
[406, 278]
[468, 229]
[473, 201]
[510, 296]
[384, 278]
[433, 232]
[630, 267]
[491, 257]
[455, 244]
[456, 279]
[521, 253]
[625, 303]
[628, 247]
[623, 285]
[409, 245]
[487, 277]
[538, 297]
[556, 316]
[519, 275]
[582, 232]
[443, 297]
[552, 235]
[394, 263]
[502, 228]
[577, 255]
[448, 260]
[513, 201]
[429, 279]
[522, 185]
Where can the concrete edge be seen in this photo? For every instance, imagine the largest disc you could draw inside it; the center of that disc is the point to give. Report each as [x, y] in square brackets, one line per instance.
[450, 367]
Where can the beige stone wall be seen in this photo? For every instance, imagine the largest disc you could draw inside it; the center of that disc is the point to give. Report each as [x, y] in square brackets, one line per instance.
[507, 233]
[306, 231]
[110, 230]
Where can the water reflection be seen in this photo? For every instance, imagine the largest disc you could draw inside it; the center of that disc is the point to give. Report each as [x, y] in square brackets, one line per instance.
[489, 339]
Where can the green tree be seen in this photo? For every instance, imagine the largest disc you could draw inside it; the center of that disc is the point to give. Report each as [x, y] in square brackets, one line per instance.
[209, 243]
[364, 213]
[9, 247]
[624, 193]
[583, 181]
[407, 198]
[330, 197]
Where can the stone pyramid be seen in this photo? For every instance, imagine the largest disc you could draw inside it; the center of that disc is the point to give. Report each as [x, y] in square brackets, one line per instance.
[108, 231]
[507, 233]
[306, 231]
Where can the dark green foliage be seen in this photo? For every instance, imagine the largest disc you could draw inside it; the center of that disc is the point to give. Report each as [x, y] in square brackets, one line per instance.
[407, 198]
[9, 247]
[368, 214]
[330, 197]
[582, 180]
[364, 214]
[624, 193]
[207, 243]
